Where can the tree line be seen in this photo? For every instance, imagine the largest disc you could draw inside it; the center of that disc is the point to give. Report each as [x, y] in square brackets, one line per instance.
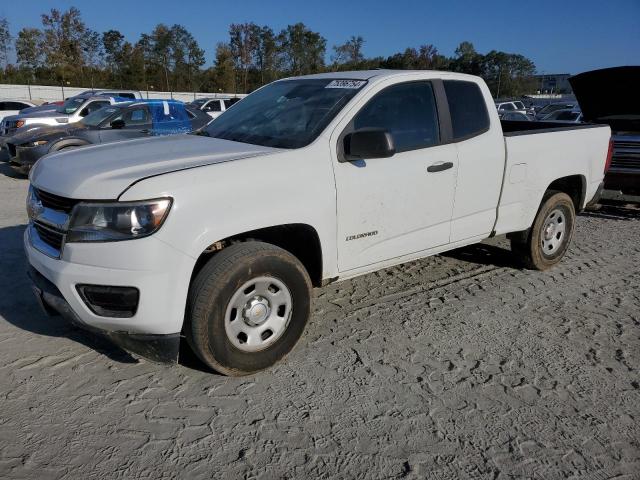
[64, 50]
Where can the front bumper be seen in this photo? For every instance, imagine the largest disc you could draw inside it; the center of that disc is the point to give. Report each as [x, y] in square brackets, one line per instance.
[159, 348]
[26, 157]
[160, 272]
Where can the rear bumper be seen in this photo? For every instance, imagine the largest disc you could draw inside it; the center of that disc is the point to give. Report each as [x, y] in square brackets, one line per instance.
[158, 348]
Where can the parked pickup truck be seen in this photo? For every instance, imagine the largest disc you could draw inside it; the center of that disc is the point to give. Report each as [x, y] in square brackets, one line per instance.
[71, 111]
[219, 237]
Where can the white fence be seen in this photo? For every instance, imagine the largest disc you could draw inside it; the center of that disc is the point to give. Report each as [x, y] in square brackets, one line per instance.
[50, 93]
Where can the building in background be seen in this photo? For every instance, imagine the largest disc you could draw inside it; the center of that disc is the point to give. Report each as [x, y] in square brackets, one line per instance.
[553, 83]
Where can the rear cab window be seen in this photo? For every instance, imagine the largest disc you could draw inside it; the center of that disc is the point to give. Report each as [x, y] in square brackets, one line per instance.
[468, 109]
[230, 101]
[213, 106]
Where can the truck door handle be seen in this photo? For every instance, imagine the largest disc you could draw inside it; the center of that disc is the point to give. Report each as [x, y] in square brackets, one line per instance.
[438, 167]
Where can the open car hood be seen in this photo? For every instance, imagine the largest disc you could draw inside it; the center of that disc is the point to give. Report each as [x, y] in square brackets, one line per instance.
[610, 95]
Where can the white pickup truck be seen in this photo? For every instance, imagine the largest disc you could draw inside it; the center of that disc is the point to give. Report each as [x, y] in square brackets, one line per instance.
[219, 237]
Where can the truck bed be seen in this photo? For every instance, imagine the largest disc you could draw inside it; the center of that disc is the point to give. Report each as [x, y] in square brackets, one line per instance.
[512, 128]
[533, 162]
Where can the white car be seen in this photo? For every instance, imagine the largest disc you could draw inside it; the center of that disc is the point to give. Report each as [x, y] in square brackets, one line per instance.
[515, 106]
[13, 107]
[219, 237]
[215, 106]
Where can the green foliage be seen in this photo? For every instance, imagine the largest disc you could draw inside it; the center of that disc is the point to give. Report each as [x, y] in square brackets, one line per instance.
[5, 41]
[170, 58]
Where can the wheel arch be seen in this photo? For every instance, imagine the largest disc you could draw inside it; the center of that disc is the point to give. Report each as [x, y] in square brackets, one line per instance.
[573, 185]
[68, 142]
[299, 239]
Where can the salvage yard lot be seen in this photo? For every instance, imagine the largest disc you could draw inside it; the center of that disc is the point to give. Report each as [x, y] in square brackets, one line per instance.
[457, 366]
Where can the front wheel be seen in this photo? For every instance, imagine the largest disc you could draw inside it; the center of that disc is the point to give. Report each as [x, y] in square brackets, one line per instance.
[247, 308]
[550, 235]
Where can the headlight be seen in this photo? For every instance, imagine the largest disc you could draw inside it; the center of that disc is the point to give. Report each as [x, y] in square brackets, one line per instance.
[37, 143]
[20, 123]
[108, 222]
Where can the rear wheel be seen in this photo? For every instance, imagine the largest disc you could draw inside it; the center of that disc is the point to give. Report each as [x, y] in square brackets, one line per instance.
[550, 235]
[247, 308]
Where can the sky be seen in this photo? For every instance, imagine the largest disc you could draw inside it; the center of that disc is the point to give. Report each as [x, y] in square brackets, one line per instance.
[560, 36]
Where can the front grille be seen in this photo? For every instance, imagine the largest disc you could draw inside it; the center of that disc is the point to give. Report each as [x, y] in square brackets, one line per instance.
[55, 202]
[51, 237]
[626, 154]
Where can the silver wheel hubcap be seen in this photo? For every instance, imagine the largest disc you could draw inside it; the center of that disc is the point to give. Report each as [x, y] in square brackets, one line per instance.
[553, 232]
[258, 314]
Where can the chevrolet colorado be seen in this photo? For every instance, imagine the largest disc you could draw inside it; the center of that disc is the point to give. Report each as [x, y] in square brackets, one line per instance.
[219, 237]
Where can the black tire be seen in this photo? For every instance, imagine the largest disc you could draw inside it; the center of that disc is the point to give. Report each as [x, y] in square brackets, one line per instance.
[64, 147]
[212, 290]
[530, 249]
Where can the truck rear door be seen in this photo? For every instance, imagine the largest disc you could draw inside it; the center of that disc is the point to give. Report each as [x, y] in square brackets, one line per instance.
[479, 144]
[391, 207]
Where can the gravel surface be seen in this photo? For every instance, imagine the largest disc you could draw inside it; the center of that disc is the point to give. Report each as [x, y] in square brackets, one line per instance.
[457, 366]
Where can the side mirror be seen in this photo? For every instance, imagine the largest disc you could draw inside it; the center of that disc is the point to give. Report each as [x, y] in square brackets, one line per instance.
[117, 124]
[368, 143]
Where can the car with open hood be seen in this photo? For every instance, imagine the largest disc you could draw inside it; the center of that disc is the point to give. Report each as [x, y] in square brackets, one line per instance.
[121, 121]
[611, 96]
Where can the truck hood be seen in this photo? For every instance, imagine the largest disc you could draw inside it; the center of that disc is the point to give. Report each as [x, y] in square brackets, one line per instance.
[39, 108]
[103, 172]
[610, 95]
[44, 133]
[43, 114]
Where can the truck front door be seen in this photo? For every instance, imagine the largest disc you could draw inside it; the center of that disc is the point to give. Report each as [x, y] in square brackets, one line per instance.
[391, 207]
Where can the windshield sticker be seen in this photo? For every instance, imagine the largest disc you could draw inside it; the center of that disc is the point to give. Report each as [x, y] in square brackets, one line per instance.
[346, 84]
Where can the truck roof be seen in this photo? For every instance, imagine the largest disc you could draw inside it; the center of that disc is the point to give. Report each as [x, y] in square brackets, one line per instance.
[382, 73]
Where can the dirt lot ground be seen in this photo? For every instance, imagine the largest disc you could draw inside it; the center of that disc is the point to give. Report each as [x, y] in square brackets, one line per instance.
[458, 366]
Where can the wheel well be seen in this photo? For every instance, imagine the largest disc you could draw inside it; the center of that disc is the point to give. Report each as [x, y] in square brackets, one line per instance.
[66, 143]
[574, 186]
[299, 239]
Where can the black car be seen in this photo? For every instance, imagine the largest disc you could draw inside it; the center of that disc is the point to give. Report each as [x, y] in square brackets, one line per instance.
[611, 96]
[121, 121]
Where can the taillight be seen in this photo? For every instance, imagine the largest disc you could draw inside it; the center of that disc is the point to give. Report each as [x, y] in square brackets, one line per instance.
[607, 164]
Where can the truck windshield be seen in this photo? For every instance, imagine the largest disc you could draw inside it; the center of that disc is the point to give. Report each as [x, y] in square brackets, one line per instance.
[285, 114]
[70, 105]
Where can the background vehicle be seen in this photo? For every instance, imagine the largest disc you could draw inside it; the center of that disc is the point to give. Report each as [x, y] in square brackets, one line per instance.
[128, 94]
[70, 111]
[552, 107]
[214, 106]
[515, 116]
[12, 107]
[566, 116]
[218, 237]
[611, 96]
[122, 121]
[513, 106]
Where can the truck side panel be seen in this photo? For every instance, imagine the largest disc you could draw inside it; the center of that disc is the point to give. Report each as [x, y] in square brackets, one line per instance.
[534, 161]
